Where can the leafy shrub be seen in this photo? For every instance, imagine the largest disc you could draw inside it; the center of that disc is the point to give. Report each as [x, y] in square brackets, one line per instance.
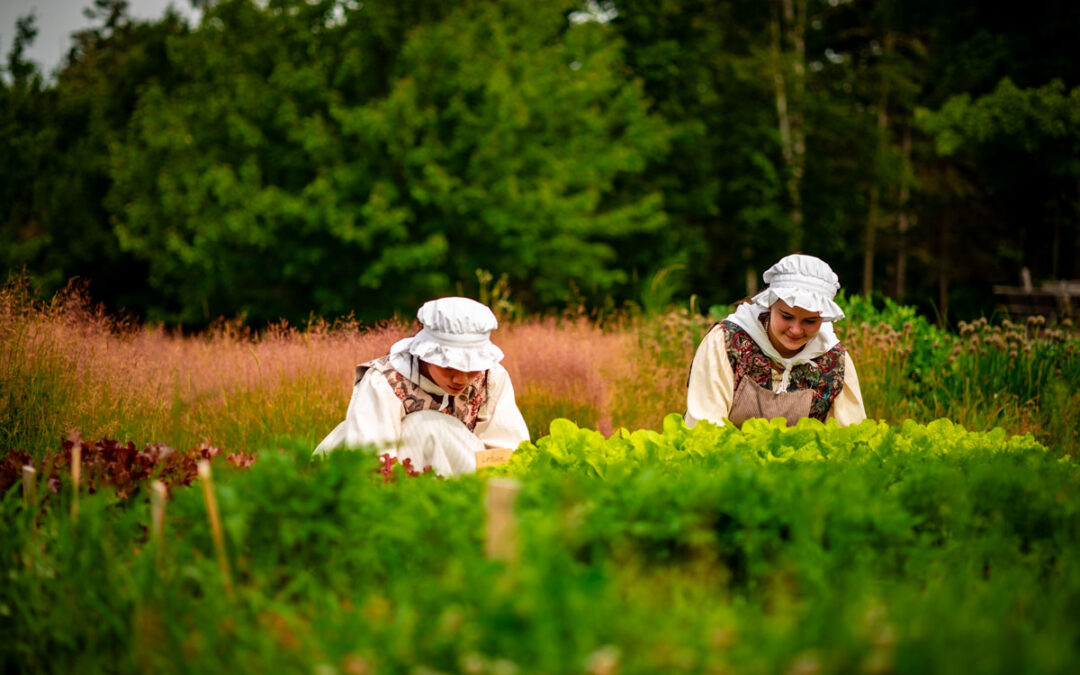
[910, 546]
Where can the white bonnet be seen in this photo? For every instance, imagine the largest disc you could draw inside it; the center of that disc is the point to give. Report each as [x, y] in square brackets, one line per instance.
[802, 281]
[455, 334]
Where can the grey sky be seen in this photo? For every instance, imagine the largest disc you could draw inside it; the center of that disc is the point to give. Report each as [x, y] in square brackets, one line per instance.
[57, 19]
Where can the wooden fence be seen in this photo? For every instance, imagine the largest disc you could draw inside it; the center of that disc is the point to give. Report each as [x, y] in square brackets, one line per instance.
[1053, 299]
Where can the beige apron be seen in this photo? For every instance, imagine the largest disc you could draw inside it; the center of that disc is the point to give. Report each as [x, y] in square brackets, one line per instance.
[753, 400]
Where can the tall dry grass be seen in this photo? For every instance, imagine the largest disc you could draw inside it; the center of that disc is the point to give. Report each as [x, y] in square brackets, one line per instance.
[562, 368]
[67, 365]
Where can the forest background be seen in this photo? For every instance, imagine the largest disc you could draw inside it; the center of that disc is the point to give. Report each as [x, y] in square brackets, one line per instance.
[285, 158]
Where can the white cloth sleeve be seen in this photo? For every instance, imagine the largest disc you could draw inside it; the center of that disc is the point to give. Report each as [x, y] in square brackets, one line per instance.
[373, 418]
[441, 441]
[712, 382]
[500, 423]
[848, 407]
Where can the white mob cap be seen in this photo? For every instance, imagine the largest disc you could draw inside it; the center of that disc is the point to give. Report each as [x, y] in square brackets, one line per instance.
[802, 281]
[455, 334]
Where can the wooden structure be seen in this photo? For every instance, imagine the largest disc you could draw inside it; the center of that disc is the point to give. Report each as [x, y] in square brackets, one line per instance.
[1053, 299]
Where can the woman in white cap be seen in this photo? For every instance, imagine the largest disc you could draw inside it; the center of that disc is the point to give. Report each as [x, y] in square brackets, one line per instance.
[777, 355]
[438, 397]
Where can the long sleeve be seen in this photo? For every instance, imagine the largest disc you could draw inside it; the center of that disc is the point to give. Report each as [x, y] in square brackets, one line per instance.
[500, 423]
[712, 383]
[373, 418]
[848, 407]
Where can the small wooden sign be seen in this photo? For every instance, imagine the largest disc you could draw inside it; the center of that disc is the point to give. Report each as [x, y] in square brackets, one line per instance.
[492, 457]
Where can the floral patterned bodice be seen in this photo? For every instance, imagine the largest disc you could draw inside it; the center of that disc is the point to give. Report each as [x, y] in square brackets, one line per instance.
[824, 374]
[465, 406]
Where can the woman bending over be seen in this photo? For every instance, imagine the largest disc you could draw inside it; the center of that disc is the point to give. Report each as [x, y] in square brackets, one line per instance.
[438, 397]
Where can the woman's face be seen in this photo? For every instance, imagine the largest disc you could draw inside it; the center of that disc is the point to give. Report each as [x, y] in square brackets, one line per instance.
[449, 380]
[790, 328]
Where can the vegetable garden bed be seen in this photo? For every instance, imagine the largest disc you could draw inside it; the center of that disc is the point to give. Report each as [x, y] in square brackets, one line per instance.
[874, 548]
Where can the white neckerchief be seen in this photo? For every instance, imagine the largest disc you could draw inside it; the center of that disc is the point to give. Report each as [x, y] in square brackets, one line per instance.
[746, 317]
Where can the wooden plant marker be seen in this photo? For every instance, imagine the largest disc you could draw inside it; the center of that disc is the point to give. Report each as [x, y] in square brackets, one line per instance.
[501, 523]
[215, 523]
[29, 485]
[76, 476]
[158, 493]
[492, 457]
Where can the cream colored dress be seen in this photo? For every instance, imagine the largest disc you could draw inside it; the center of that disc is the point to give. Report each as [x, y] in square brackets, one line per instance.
[376, 417]
[711, 386]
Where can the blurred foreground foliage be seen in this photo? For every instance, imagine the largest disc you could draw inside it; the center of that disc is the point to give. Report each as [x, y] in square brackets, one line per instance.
[910, 549]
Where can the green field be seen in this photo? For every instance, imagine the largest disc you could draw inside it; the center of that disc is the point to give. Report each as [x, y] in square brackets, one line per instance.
[943, 534]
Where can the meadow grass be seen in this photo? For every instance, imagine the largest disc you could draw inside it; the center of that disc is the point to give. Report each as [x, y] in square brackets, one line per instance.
[1026, 382]
[67, 365]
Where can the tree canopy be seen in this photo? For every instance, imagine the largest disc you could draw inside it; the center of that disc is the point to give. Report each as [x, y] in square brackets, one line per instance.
[290, 157]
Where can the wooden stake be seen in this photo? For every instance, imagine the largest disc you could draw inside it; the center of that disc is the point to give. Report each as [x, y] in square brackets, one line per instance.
[215, 523]
[76, 476]
[29, 485]
[158, 494]
[501, 535]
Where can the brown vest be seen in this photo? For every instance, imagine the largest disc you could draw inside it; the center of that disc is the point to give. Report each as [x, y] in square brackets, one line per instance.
[465, 406]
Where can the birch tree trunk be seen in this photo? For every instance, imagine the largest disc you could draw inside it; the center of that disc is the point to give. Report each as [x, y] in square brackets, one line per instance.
[788, 47]
[872, 217]
[878, 176]
[943, 267]
[903, 222]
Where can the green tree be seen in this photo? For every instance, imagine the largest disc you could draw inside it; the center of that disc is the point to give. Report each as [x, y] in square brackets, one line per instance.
[26, 141]
[289, 156]
[58, 135]
[1031, 138]
[868, 67]
[271, 182]
[707, 69]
